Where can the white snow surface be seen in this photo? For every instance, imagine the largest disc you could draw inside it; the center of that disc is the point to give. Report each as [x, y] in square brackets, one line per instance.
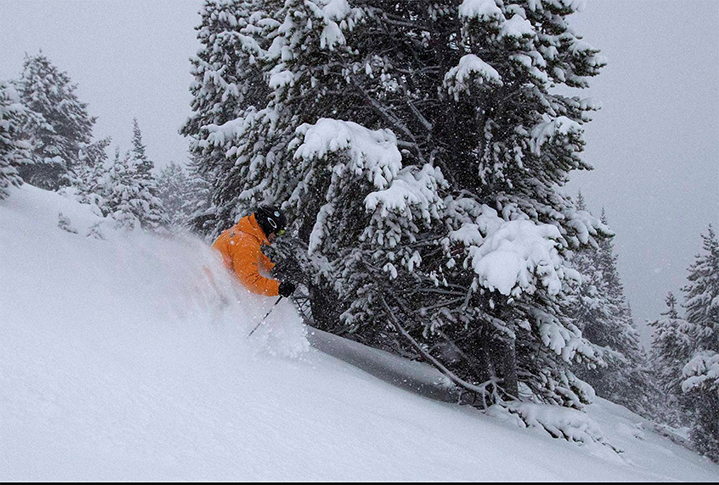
[121, 360]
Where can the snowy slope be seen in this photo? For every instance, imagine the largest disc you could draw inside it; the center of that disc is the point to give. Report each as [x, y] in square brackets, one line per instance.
[121, 360]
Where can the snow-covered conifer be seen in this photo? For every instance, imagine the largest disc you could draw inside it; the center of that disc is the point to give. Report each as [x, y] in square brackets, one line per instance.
[14, 151]
[417, 148]
[672, 346]
[60, 128]
[604, 316]
[138, 196]
[198, 205]
[144, 164]
[701, 373]
[129, 197]
[228, 80]
[227, 77]
[702, 292]
[174, 191]
[88, 177]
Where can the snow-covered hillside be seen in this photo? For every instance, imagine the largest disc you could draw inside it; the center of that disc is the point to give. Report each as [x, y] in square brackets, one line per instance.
[121, 360]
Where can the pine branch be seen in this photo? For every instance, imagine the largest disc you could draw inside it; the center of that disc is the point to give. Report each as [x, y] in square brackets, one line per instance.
[390, 118]
[480, 390]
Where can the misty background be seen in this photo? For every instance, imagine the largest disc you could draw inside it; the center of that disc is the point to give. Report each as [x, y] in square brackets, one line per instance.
[654, 144]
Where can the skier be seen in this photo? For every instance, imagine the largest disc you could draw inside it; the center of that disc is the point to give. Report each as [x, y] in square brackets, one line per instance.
[241, 251]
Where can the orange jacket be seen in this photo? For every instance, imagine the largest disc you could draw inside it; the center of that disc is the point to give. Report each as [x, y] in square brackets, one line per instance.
[240, 247]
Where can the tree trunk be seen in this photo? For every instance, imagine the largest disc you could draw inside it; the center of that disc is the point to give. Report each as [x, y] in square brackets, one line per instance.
[504, 361]
[325, 312]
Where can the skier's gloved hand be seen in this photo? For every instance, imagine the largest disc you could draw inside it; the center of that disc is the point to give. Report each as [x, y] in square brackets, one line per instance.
[286, 288]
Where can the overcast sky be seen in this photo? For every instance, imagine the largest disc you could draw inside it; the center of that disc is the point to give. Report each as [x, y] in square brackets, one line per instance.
[654, 144]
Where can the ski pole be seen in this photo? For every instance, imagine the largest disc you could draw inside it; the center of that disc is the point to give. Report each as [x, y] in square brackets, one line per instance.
[263, 318]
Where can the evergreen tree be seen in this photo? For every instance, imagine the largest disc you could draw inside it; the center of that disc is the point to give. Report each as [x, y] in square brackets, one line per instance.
[228, 80]
[434, 228]
[14, 151]
[129, 197]
[199, 207]
[672, 347]
[174, 191]
[88, 179]
[227, 75]
[144, 164]
[701, 373]
[702, 292]
[604, 316]
[62, 125]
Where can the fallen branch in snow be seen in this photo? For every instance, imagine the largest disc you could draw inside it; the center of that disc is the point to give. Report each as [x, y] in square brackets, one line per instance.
[569, 424]
[65, 224]
[472, 390]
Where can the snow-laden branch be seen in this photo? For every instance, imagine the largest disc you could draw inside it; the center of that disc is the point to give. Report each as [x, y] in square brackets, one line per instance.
[700, 370]
[471, 70]
[372, 153]
[515, 256]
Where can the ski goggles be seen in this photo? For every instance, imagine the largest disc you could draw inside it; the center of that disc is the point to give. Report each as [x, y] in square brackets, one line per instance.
[274, 226]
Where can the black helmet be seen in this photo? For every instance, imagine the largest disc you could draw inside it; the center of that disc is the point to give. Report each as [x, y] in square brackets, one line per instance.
[270, 219]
